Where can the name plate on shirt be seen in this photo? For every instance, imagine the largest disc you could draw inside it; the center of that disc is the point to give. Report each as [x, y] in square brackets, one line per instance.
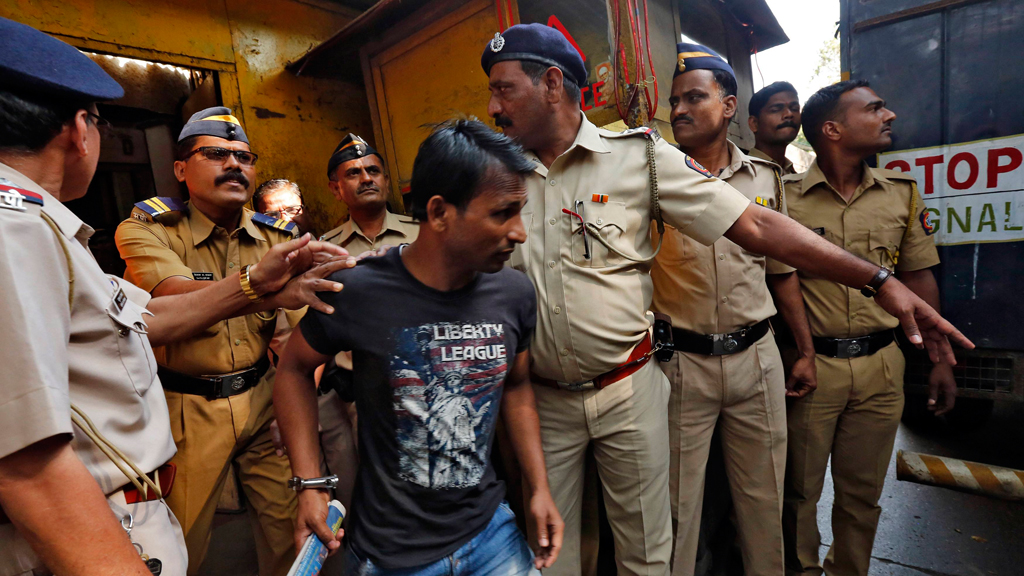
[202, 275]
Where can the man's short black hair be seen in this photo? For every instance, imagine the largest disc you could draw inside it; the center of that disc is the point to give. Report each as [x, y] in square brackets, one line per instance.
[454, 161]
[181, 149]
[28, 124]
[272, 186]
[823, 106]
[535, 71]
[726, 83]
[760, 98]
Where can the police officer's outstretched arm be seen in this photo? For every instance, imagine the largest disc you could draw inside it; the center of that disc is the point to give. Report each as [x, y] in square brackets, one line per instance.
[767, 232]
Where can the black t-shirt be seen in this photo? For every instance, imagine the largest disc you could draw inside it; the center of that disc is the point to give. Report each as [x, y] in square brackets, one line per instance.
[429, 367]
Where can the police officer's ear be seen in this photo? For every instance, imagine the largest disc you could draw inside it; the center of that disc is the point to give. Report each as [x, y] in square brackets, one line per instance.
[179, 170]
[553, 84]
[832, 130]
[730, 103]
[77, 130]
[752, 123]
[335, 187]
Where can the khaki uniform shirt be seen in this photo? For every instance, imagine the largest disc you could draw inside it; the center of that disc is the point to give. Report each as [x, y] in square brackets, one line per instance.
[94, 354]
[192, 246]
[872, 226]
[591, 312]
[397, 230]
[787, 169]
[719, 288]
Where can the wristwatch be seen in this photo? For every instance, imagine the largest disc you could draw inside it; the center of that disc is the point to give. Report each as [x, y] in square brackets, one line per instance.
[876, 282]
[325, 483]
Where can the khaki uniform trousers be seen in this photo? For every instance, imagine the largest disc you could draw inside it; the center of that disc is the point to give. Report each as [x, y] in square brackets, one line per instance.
[852, 416]
[745, 395]
[627, 422]
[212, 436]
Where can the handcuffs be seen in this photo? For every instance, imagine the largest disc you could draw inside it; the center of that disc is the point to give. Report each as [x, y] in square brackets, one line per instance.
[325, 483]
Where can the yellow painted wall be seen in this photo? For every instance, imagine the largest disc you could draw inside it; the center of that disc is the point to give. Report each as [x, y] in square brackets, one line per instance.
[292, 123]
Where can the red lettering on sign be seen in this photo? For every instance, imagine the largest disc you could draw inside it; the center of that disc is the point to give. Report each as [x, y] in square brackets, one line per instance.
[901, 165]
[929, 163]
[583, 98]
[598, 97]
[972, 175]
[555, 23]
[995, 168]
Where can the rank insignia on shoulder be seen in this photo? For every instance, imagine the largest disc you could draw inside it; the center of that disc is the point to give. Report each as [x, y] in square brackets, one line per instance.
[696, 167]
[599, 198]
[12, 198]
[270, 222]
[766, 202]
[149, 210]
[929, 227]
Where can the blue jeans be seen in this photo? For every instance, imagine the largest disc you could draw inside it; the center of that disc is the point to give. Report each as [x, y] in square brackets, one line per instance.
[498, 550]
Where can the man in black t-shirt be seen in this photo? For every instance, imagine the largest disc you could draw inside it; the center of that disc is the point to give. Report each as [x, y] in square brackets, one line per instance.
[439, 332]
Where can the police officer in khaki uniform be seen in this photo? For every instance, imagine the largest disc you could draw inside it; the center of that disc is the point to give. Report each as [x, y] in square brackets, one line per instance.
[774, 118]
[218, 384]
[845, 336]
[82, 412]
[588, 254]
[727, 371]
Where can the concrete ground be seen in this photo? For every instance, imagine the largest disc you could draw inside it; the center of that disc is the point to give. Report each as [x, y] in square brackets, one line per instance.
[923, 531]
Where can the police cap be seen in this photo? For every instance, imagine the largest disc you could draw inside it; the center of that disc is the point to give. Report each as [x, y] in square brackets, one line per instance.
[350, 148]
[36, 64]
[697, 57]
[535, 43]
[217, 121]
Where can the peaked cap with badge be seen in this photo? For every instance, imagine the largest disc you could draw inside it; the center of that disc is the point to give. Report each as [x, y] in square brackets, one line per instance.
[698, 57]
[535, 43]
[217, 121]
[351, 148]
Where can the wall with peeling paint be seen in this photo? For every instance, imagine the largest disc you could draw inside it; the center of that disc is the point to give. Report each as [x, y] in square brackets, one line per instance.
[293, 123]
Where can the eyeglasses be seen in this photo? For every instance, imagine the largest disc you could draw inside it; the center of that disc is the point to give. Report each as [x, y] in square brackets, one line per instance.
[290, 212]
[102, 124]
[218, 154]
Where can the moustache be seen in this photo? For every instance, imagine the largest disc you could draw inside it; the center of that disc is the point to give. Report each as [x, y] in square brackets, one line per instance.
[787, 124]
[367, 188]
[682, 118]
[232, 177]
[502, 121]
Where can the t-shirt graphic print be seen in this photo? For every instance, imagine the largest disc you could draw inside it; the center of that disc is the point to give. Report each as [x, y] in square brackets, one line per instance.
[446, 379]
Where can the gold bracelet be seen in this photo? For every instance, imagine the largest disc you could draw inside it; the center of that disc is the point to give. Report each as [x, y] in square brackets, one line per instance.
[247, 286]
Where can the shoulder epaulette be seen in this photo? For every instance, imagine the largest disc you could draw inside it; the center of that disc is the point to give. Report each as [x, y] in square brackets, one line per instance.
[638, 131]
[14, 198]
[158, 206]
[270, 222]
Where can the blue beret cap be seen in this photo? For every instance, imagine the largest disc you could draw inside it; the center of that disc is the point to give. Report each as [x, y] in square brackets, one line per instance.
[535, 43]
[697, 57]
[216, 121]
[36, 64]
[351, 148]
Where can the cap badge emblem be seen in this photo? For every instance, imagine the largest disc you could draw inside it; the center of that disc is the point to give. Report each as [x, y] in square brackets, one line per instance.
[497, 43]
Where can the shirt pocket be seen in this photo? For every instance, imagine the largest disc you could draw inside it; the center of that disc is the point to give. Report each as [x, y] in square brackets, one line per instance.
[883, 244]
[610, 220]
[129, 328]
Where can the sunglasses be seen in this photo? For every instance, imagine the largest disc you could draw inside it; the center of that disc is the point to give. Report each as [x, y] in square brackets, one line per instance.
[102, 124]
[217, 154]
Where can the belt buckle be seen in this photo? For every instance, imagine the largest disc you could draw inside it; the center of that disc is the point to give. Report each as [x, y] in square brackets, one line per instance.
[229, 385]
[851, 347]
[722, 344]
[577, 386]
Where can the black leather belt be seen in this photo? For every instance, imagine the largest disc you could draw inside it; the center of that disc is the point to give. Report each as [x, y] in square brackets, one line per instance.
[853, 347]
[221, 386]
[718, 344]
